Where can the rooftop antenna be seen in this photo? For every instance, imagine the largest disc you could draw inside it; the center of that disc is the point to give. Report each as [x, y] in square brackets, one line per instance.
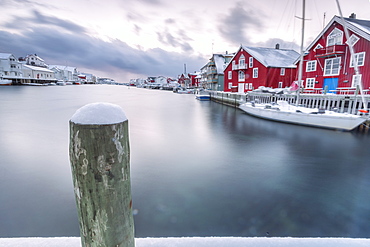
[323, 24]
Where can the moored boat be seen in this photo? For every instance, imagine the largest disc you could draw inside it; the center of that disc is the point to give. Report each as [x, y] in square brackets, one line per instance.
[5, 82]
[184, 91]
[202, 95]
[282, 111]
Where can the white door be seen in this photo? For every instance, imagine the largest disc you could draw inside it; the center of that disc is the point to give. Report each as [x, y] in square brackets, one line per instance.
[241, 88]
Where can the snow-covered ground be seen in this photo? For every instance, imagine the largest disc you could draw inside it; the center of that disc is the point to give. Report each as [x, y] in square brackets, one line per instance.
[197, 242]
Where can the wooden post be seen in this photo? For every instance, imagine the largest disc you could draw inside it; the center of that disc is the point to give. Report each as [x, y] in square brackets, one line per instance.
[100, 162]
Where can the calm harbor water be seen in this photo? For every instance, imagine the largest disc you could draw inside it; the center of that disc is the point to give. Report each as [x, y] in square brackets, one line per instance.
[198, 168]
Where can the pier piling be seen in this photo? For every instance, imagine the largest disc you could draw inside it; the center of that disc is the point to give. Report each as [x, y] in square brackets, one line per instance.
[100, 162]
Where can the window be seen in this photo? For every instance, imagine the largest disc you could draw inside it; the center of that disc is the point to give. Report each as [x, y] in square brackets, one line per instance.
[246, 86]
[311, 66]
[251, 62]
[282, 71]
[255, 73]
[233, 64]
[241, 76]
[332, 66]
[352, 40]
[250, 86]
[318, 47]
[359, 58]
[242, 62]
[310, 83]
[280, 85]
[356, 80]
[230, 85]
[335, 38]
[230, 75]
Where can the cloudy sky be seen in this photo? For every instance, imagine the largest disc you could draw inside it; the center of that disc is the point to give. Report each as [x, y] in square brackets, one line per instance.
[125, 39]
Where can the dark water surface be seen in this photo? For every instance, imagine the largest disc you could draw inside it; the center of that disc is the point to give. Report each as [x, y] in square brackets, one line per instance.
[197, 168]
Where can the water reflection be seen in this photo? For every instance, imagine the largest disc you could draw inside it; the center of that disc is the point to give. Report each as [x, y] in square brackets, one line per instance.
[198, 168]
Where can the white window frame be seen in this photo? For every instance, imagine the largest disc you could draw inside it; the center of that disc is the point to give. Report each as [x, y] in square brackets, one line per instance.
[255, 73]
[241, 76]
[310, 82]
[361, 56]
[230, 85]
[230, 75]
[334, 64]
[335, 37]
[250, 62]
[311, 66]
[352, 40]
[250, 86]
[282, 71]
[280, 84]
[356, 79]
[242, 62]
[318, 47]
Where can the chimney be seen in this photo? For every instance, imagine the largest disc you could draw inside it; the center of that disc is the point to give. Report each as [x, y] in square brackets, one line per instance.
[352, 16]
[277, 46]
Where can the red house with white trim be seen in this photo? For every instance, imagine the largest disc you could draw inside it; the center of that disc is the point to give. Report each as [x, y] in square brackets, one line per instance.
[252, 67]
[328, 65]
[194, 79]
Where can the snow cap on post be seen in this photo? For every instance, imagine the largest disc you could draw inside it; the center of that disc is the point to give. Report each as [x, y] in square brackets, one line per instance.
[98, 114]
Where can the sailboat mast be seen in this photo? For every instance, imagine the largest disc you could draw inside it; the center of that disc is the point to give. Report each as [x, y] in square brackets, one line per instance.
[300, 67]
[302, 42]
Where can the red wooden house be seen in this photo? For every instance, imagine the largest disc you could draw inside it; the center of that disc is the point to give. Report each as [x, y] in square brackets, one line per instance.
[252, 67]
[184, 80]
[194, 79]
[328, 65]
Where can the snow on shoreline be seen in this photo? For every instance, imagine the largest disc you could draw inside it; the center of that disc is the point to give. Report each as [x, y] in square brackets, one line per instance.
[197, 242]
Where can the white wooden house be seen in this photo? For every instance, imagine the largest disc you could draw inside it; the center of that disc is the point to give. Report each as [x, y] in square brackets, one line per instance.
[10, 68]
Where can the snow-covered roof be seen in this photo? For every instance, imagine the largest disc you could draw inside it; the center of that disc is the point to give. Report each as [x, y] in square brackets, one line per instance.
[63, 67]
[359, 27]
[38, 68]
[364, 25]
[271, 57]
[5, 55]
[37, 57]
[219, 62]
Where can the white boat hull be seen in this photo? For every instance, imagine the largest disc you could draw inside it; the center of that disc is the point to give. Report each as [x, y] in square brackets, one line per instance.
[329, 119]
[203, 97]
[5, 82]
